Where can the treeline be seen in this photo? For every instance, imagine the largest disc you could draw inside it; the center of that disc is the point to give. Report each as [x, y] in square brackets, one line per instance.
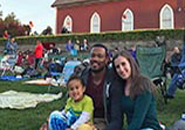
[13, 26]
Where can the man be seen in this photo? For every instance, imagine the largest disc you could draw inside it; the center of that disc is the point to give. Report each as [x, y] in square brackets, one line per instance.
[38, 53]
[96, 79]
[178, 77]
[11, 46]
[175, 60]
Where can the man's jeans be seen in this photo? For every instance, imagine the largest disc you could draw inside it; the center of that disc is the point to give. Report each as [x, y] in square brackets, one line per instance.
[172, 86]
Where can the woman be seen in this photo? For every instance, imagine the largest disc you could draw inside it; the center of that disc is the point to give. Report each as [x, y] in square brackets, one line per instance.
[137, 95]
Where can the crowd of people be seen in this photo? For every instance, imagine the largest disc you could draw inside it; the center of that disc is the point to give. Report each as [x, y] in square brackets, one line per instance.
[104, 92]
[77, 46]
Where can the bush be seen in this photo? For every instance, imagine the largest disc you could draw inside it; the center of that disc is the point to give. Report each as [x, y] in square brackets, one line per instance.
[135, 35]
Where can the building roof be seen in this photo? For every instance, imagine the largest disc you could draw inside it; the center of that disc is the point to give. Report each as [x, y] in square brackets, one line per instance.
[62, 3]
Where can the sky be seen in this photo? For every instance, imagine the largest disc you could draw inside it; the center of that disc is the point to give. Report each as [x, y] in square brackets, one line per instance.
[39, 12]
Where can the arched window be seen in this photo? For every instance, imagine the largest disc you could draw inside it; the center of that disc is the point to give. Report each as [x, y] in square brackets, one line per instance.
[68, 23]
[127, 20]
[95, 23]
[166, 17]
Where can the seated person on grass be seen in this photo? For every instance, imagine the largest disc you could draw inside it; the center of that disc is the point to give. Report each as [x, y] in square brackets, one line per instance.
[78, 110]
[178, 79]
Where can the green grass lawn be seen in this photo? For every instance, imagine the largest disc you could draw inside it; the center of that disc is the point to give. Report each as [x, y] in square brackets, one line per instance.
[32, 118]
[172, 111]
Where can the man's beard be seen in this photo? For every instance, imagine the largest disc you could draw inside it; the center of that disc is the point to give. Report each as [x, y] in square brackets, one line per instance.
[97, 70]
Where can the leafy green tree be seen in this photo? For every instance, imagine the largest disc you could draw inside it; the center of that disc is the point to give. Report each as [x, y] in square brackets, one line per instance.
[11, 18]
[13, 25]
[1, 14]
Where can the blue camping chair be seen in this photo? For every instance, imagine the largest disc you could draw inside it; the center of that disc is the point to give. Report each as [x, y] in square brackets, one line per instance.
[69, 69]
[66, 72]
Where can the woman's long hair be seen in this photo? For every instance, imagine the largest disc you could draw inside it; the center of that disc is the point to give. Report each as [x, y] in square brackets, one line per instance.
[139, 83]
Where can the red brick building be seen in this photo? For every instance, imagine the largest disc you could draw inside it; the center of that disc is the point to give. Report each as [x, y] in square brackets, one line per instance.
[118, 15]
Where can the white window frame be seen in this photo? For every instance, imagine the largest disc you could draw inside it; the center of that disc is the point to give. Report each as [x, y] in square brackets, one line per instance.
[123, 20]
[65, 24]
[161, 17]
[92, 28]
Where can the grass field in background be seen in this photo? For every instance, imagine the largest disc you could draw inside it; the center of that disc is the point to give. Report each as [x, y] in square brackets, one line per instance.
[32, 118]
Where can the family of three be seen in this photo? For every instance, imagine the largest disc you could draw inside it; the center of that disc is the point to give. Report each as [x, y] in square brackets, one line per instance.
[102, 96]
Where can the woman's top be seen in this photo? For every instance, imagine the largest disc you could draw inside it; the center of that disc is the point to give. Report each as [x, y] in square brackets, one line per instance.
[141, 112]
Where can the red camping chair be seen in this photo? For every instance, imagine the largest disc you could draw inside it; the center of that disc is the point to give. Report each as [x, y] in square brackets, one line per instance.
[47, 45]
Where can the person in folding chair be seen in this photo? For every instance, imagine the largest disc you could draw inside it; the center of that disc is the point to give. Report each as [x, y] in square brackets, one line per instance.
[11, 47]
[178, 79]
[175, 60]
[9, 60]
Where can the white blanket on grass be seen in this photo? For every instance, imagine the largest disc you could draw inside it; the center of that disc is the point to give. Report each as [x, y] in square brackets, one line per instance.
[21, 100]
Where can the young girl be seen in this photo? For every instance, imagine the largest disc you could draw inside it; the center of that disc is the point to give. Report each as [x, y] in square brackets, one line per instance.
[78, 110]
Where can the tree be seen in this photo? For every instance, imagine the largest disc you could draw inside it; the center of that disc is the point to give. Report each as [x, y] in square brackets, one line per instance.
[2, 28]
[1, 14]
[13, 26]
[11, 18]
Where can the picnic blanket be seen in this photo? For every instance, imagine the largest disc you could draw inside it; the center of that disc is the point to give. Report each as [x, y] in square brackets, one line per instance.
[47, 81]
[12, 78]
[38, 82]
[21, 100]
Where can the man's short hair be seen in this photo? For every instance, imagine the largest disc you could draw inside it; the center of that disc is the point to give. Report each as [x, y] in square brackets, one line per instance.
[102, 46]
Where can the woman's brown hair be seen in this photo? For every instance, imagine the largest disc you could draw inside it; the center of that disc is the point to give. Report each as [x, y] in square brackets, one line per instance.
[139, 83]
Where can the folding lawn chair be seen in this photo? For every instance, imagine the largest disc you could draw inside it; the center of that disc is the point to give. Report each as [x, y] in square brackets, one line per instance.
[151, 61]
[1, 57]
[67, 71]
[7, 63]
